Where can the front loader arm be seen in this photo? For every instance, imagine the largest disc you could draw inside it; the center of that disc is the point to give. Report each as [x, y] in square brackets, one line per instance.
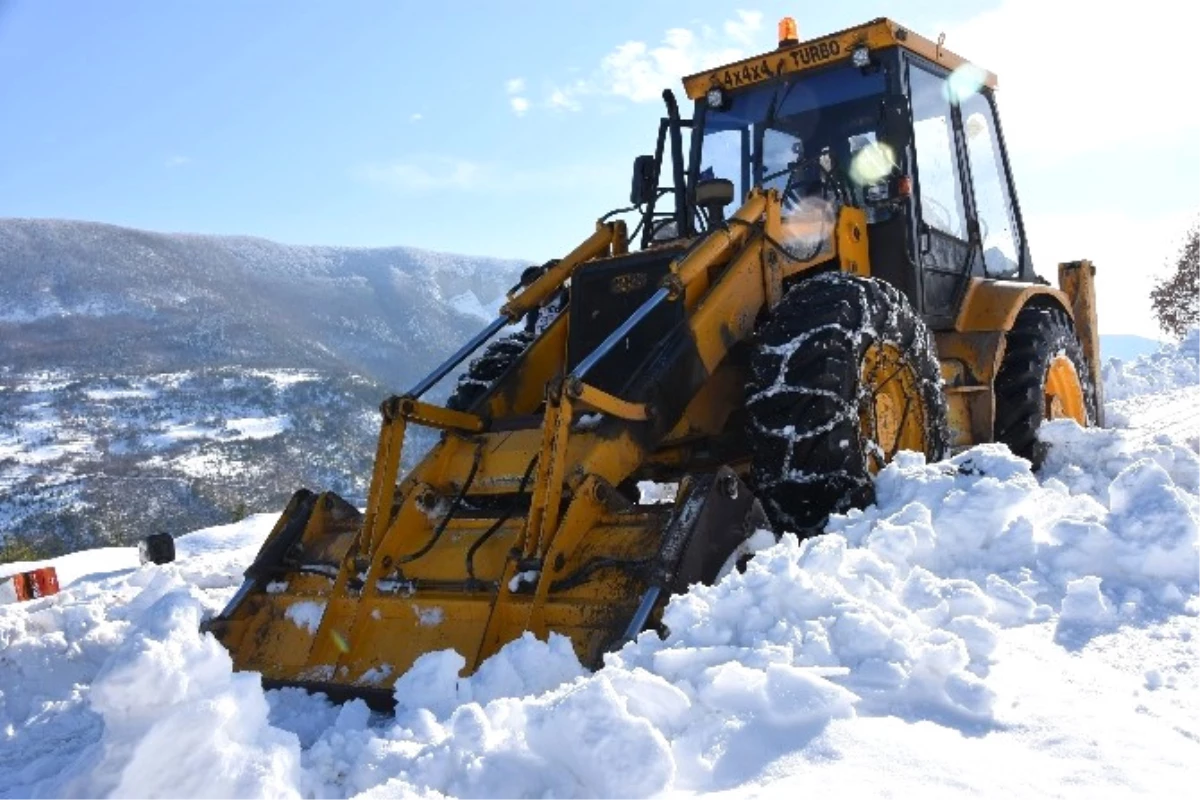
[572, 487]
[725, 280]
[610, 238]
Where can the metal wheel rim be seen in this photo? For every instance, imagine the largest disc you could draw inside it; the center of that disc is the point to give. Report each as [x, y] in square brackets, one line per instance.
[1063, 393]
[891, 411]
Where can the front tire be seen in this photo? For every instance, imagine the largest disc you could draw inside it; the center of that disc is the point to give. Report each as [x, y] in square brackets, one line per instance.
[843, 376]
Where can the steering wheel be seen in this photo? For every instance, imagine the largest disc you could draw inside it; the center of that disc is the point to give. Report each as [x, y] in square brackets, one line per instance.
[777, 173]
[791, 188]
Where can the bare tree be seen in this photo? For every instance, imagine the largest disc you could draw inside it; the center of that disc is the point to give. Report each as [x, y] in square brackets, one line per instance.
[1176, 298]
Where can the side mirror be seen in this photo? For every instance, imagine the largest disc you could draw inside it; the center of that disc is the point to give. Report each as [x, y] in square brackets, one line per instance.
[896, 122]
[645, 180]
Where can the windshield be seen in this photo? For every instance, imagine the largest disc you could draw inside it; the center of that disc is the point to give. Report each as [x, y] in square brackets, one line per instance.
[772, 136]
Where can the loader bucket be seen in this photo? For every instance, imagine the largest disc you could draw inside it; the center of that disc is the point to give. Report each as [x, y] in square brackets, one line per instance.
[309, 615]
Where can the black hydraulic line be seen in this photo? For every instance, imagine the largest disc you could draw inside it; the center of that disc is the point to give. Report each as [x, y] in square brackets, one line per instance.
[459, 356]
[441, 528]
[508, 512]
[329, 571]
[620, 333]
[683, 224]
[697, 126]
[647, 222]
[593, 565]
[616, 211]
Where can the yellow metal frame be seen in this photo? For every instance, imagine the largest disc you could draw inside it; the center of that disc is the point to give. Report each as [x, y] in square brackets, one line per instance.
[822, 52]
[1077, 280]
[609, 239]
[607, 403]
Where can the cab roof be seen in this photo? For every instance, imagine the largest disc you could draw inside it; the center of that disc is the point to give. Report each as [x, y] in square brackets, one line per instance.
[831, 49]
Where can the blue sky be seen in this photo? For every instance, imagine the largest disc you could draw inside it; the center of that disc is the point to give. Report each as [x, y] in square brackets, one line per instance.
[506, 128]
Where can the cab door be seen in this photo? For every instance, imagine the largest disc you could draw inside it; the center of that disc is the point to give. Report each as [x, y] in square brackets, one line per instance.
[946, 232]
[1001, 238]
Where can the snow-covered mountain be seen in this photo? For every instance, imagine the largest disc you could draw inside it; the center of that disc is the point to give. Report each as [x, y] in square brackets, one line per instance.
[165, 382]
[980, 630]
[92, 297]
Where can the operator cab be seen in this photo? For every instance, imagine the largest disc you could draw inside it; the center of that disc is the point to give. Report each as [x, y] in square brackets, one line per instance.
[874, 117]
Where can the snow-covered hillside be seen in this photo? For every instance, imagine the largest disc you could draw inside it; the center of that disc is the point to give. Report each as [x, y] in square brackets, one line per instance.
[91, 460]
[91, 298]
[980, 630]
[161, 410]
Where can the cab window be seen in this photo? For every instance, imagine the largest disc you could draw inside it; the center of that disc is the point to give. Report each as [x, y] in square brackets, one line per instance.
[940, 191]
[993, 201]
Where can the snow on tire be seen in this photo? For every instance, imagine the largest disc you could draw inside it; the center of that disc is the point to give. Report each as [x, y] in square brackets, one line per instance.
[834, 348]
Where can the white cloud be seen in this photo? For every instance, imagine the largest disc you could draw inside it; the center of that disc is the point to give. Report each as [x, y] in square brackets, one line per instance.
[417, 117]
[639, 72]
[566, 99]
[178, 161]
[745, 28]
[515, 88]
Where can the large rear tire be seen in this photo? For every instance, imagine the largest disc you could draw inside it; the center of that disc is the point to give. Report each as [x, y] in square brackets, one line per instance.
[1043, 376]
[844, 375]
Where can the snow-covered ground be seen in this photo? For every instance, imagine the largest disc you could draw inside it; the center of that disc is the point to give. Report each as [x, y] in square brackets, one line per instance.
[980, 630]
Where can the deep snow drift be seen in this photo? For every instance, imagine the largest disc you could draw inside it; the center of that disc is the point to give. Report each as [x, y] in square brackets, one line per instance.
[980, 629]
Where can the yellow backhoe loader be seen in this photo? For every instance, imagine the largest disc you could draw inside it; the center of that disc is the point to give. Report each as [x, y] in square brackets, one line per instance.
[870, 291]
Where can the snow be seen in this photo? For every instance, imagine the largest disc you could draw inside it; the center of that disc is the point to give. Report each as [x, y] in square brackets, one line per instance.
[1174, 366]
[468, 304]
[285, 378]
[256, 427]
[183, 432]
[36, 440]
[652, 492]
[527, 578]
[106, 395]
[429, 617]
[233, 430]
[307, 614]
[981, 629]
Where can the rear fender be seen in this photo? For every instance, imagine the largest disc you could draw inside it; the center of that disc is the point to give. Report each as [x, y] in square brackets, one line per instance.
[992, 305]
[972, 352]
